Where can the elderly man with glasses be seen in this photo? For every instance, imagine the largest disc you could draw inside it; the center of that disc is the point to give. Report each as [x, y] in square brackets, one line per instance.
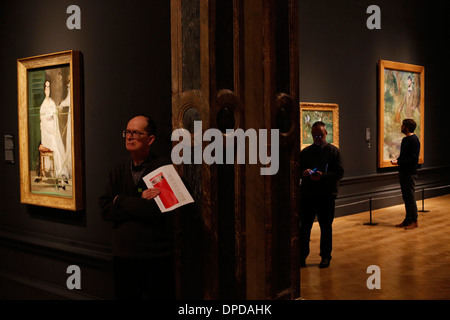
[142, 240]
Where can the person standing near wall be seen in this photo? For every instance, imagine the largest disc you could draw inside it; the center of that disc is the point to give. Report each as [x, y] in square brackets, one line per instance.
[142, 236]
[407, 163]
[321, 169]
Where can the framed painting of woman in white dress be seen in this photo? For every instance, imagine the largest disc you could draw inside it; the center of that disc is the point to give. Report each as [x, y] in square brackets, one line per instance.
[49, 130]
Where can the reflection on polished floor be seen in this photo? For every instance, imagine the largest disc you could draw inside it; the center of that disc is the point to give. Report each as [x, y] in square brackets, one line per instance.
[414, 264]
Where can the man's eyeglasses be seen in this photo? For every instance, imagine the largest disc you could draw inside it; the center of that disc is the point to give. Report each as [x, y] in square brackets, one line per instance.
[320, 137]
[134, 134]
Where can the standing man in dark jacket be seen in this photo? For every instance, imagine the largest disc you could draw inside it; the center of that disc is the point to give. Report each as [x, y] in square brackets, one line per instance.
[142, 241]
[407, 162]
[321, 169]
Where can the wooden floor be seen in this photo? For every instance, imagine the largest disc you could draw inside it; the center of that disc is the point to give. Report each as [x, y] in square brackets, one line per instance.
[414, 264]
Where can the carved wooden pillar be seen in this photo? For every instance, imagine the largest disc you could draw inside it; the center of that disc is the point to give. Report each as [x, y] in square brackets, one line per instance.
[207, 85]
[227, 113]
[234, 65]
[271, 101]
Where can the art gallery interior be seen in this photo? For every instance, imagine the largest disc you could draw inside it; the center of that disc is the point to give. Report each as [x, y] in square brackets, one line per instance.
[237, 63]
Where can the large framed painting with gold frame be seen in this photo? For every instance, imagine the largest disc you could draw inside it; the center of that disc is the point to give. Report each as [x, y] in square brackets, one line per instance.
[401, 96]
[311, 112]
[49, 109]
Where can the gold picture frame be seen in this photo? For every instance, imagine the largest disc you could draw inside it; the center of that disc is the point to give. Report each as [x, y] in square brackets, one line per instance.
[311, 112]
[401, 95]
[49, 112]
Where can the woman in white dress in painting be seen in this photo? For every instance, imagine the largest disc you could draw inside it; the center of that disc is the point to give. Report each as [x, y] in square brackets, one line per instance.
[50, 135]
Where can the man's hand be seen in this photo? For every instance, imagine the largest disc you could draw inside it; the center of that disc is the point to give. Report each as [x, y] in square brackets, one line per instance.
[317, 176]
[150, 193]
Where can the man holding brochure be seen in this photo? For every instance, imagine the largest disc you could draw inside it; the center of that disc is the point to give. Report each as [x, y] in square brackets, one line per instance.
[142, 234]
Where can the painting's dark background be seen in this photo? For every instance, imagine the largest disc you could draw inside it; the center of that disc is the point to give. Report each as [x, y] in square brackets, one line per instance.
[126, 70]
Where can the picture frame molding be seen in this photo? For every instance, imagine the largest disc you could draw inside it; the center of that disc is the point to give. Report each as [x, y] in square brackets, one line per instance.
[315, 106]
[392, 65]
[76, 201]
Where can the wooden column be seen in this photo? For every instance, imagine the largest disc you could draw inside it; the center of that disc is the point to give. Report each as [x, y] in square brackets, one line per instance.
[271, 101]
[207, 85]
[235, 65]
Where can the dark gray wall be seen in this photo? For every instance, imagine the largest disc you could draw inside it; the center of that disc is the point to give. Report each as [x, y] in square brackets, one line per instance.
[125, 49]
[338, 64]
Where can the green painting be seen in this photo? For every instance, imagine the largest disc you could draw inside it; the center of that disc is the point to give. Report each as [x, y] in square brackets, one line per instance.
[49, 130]
[311, 112]
[308, 119]
[50, 124]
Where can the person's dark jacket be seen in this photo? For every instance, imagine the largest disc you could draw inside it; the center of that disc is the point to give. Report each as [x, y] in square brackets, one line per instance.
[408, 160]
[326, 159]
[140, 229]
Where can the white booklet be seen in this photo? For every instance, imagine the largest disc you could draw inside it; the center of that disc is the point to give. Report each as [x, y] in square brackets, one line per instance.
[173, 191]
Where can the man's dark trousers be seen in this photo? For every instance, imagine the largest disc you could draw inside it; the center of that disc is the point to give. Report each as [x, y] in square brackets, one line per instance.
[408, 186]
[323, 208]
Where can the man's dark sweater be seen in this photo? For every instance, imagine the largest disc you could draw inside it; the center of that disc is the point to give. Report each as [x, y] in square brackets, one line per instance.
[409, 155]
[140, 231]
[327, 160]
